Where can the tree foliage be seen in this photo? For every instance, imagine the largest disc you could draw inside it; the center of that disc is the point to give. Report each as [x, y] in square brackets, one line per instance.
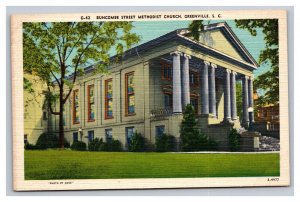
[269, 81]
[195, 28]
[57, 52]
[191, 137]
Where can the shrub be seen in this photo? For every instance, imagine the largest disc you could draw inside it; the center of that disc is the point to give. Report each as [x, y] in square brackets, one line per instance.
[137, 143]
[114, 145]
[95, 145]
[48, 140]
[191, 137]
[234, 140]
[29, 146]
[206, 143]
[78, 146]
[165, 143]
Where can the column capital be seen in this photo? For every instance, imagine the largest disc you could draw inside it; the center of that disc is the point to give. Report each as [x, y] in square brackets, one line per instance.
[187, 56]
[233, 72]
[176, 53]
[246, 77]
[251, 77]
[228, 71]
[206, 62]
[213, 65]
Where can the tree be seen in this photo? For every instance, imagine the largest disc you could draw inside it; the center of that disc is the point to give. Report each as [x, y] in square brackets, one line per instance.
[191, 137]
[58, 52]
[268, 82]
[195, 28]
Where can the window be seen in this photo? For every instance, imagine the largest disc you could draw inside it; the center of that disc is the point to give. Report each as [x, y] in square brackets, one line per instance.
[168, 100]
[130, 97]
[108, 135]
[194, 103]
[108, 99]
[75, 137]
[129, 134]
[159, 131]
[166, 70]
[90, 136]
[194, 78]
[75, 107]
[91, 103]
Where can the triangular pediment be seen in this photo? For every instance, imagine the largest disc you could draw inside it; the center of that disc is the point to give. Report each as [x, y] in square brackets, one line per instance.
[216, 40]
[222, 39]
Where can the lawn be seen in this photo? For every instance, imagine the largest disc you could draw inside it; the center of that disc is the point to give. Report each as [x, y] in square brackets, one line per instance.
[54, 164]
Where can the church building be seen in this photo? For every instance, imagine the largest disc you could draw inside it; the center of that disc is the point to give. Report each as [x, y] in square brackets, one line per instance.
[149, 89]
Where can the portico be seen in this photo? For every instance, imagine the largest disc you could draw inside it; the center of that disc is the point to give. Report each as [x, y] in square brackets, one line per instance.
[207, 88]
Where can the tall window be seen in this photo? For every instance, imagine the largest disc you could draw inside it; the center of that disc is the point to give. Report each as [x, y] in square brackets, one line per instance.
[166, 70]
[159, 131]
[130, 97]
[91, 103]
[129, 134]
[168, 100]
[75, 107]
[194, 78]
[90, 136]
[108, 99]
[194, 103]
[75, 137]
[108, 135]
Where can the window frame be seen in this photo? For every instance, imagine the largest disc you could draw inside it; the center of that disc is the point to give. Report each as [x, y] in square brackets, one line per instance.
[88, 135]
[127, 143]
[170, 94]
[156, 130]
[89, 102]
[73, 107]
[75, 134]
[107, 100]
[106, 135]
[168, 67]
[127, 95]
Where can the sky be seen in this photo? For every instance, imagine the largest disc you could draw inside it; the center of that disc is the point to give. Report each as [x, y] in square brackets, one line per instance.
[149, 30]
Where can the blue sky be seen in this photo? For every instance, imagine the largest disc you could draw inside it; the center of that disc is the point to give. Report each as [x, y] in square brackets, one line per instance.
[149, 30]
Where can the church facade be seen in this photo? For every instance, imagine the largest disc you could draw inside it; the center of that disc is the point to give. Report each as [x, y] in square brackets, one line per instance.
[148, 90]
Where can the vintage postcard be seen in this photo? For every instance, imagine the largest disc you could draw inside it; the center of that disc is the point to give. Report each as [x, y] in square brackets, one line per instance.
[150, 100]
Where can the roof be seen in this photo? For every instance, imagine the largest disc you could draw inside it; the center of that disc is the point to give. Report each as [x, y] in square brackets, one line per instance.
[179, 35]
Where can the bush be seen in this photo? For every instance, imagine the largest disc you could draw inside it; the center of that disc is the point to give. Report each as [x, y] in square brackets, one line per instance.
[95, 145]
[234, 140]
[48, 140]
[206, 143]
[137, 143]
[78, 146]
[191, 137]
[29, 146]
[114, 145]
[165, 143]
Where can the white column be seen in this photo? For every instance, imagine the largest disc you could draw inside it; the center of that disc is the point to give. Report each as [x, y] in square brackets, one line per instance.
[177, 107]
[186, 80]
[204, 88]
[250, 96]
[233, 95]
[227, 100]
[245, 121]
[212, 90]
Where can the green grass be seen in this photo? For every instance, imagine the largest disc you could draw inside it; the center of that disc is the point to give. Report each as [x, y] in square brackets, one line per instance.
[54, 164]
